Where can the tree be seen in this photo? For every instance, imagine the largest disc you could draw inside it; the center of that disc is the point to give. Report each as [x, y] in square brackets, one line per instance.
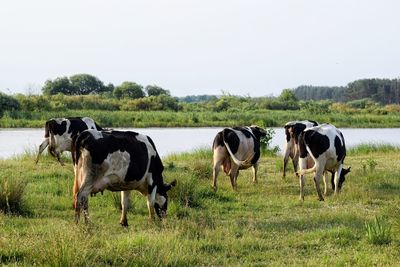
[129, 90]
[154, 90]
[59, 85]
[85, 84]
[79, 84]
[287, 95]
[8, 103]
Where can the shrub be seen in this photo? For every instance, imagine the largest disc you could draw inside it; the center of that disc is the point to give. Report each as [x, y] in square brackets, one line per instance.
[11, 196]
[378, 233]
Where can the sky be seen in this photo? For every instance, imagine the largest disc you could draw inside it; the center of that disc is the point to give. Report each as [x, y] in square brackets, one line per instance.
[195, 47]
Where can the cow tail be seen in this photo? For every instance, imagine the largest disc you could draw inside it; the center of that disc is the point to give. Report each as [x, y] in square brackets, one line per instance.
[77, 143]
[46, 129]
[235, 159]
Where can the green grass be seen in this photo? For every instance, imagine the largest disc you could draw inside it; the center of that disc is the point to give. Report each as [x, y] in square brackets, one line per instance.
[267, 118]
[263, 224]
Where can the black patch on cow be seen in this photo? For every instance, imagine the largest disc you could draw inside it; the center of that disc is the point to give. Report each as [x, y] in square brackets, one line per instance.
[77, 126]
[244, 130]
[232, 139]
[340, 149]
[297, 129]
[218, 140]
[55, 128]
[287, 133]
[313, 122]
[318, 143]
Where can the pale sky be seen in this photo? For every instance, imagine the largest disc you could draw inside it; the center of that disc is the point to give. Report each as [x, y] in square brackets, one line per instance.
[245, 47]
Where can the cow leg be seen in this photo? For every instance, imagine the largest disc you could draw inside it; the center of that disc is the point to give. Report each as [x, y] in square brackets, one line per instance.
[216, 169]
[337, 177]
[151, 198]
[295, 160]
[58, 155]
[317, 180]
[326, 182]
[233, 175]
[285, 160]
[42, 147]
[255, 168]
[125, 201]
[219, 156]
[85, 178]
[288, 154]
[303, 165]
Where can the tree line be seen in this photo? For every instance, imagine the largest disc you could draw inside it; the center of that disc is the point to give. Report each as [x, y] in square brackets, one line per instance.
[86, 84]
[383, 91]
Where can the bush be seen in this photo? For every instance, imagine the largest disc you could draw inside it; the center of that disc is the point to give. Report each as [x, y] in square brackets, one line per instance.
[11, 196]
[8, 103]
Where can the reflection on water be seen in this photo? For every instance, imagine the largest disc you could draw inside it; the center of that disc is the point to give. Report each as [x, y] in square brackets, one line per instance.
[175, 140]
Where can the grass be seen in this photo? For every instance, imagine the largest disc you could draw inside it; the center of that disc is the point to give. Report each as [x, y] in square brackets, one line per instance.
[262, 224]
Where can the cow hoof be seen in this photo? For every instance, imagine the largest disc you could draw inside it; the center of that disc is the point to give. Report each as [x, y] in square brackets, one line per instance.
[124, 224]
[321, 199]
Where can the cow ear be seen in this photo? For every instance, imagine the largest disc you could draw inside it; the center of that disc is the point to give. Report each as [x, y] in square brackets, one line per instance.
[169, 186]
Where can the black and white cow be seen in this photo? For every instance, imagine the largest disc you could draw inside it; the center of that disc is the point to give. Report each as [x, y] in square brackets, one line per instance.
[325, 144]
[118, 161]
[59, 133]
[293, 129]
[234, 149]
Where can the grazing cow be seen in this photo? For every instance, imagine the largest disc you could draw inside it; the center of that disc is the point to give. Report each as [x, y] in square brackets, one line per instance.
[234, 149]
[118, 161]
[325, 144]
[292, 131]
[59, 133]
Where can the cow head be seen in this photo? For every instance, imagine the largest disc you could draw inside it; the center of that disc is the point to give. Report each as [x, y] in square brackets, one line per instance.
[161, 201]
[257, 131]
[342, 178]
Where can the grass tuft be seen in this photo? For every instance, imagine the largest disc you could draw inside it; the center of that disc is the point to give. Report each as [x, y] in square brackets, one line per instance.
[11, 196]
[378, 233]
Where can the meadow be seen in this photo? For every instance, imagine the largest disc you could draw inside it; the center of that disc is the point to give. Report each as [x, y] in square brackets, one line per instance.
[262, 117]
[260, 224]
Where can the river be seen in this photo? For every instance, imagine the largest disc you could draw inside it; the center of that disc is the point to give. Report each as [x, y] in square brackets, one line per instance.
[176, 140]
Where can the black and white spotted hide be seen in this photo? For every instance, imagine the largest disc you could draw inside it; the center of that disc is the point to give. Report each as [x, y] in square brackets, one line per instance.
[326, 146]
[293, 129]
[234, 149]
[59, 133]
[119, 161]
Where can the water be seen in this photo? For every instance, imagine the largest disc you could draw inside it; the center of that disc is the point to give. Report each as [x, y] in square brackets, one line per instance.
[176, 140]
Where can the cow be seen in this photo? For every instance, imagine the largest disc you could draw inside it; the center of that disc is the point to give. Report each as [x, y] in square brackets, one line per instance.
[292, 131]
[326, 146]
[118, 161]
[59, 133]
[235, 149]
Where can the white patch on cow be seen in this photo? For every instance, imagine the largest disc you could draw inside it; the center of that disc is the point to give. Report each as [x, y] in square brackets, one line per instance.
[89, 123]
[160, 200]
[118, 164]
[144, 139]
[245, 152]
[153, 195]
[96, 134]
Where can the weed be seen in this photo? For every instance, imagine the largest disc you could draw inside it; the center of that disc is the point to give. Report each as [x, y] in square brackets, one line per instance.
[377, 232]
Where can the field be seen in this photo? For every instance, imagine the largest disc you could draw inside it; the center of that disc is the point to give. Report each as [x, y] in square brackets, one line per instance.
[262, 224]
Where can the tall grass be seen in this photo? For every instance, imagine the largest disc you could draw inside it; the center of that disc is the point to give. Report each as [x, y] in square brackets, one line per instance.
[264, 118]
[12, 195]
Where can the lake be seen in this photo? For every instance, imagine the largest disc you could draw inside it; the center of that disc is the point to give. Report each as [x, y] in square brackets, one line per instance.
[177, 140]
